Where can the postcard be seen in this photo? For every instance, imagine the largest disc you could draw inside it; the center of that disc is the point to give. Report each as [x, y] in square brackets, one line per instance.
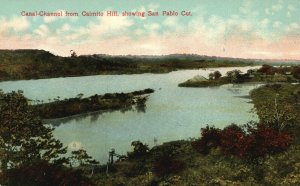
[149, 92]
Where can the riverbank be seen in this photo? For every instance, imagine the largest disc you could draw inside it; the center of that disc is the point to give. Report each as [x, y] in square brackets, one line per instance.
[265, 74]
[178, 163]
[278, 103]
[40, 64]
[80, 105]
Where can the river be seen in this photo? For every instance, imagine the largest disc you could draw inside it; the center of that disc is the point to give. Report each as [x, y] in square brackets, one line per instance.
[172, 113]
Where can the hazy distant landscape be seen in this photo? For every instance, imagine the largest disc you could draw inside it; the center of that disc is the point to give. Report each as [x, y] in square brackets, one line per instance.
[35, 64]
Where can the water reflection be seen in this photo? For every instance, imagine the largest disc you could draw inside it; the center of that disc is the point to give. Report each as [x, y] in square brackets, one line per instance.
[94, 116]
[235, 89]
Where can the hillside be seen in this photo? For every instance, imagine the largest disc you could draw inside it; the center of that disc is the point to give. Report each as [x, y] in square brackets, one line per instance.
[36, 64]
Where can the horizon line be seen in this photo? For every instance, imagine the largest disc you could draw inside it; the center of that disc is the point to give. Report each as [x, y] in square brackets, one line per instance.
[157, 55]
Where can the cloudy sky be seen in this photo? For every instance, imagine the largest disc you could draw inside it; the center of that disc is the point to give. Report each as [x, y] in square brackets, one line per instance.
[233, 28]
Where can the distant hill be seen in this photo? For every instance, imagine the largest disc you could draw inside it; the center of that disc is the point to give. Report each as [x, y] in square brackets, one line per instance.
[35, 64]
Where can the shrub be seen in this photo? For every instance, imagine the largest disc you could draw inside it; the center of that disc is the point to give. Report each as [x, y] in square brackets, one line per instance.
[232, 139]
[266, 140]
[165, 165]
[139, 150]
[166, 160]
[296, 72]
[267, 69]
[257, 141]
[43, 173]
[210, 138]
[135, 169]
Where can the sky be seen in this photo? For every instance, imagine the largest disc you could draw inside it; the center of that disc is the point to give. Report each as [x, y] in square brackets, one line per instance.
[265, 29]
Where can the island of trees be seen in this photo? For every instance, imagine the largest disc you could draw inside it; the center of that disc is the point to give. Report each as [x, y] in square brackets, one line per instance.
[80, 105]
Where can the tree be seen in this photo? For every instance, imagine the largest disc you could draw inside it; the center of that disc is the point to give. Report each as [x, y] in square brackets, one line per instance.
[296, 72]
[23, 137]
[217, 75]
[267, 69]
[73, 53]
[139, 149]
[80, 157]
[211, 76]
[234, 76]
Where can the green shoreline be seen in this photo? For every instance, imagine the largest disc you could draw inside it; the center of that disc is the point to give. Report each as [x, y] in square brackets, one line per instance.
[265, 74]
[107, 102]
[40, 64]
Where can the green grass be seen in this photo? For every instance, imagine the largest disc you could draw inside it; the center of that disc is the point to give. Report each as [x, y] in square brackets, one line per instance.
[212, 169]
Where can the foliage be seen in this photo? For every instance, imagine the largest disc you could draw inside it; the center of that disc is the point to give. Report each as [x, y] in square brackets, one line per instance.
[231, 138]
[215, 75]
[43, 173]
[276, 105]
[135, 168]
[211, 169]
[283, 168]
[81, 158]
[257, 141]
[166, 163]
[260, 141]
[266, 73]
[210, 138]
[267, 69]
[139, 150]
[28, 64]
[79, 105]
[296, 72]
[167, 160]
[234, 76]
[23, 137]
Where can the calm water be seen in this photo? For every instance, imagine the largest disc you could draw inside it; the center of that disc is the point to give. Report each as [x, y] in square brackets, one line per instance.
[172, 113]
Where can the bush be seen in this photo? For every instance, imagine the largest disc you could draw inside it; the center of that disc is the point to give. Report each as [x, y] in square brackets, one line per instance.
[167, 160]
[233, 140]
[257, 141]
[165, 165]
[139, 150]
[266, 140]
[210, 138]
[267, 69]
[296, 72]
[43, 173]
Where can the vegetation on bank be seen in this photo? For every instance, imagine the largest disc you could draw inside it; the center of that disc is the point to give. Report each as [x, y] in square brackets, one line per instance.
[278, 105]
[36, 64]
[106, 102]
[265, 74]
[29, 154]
